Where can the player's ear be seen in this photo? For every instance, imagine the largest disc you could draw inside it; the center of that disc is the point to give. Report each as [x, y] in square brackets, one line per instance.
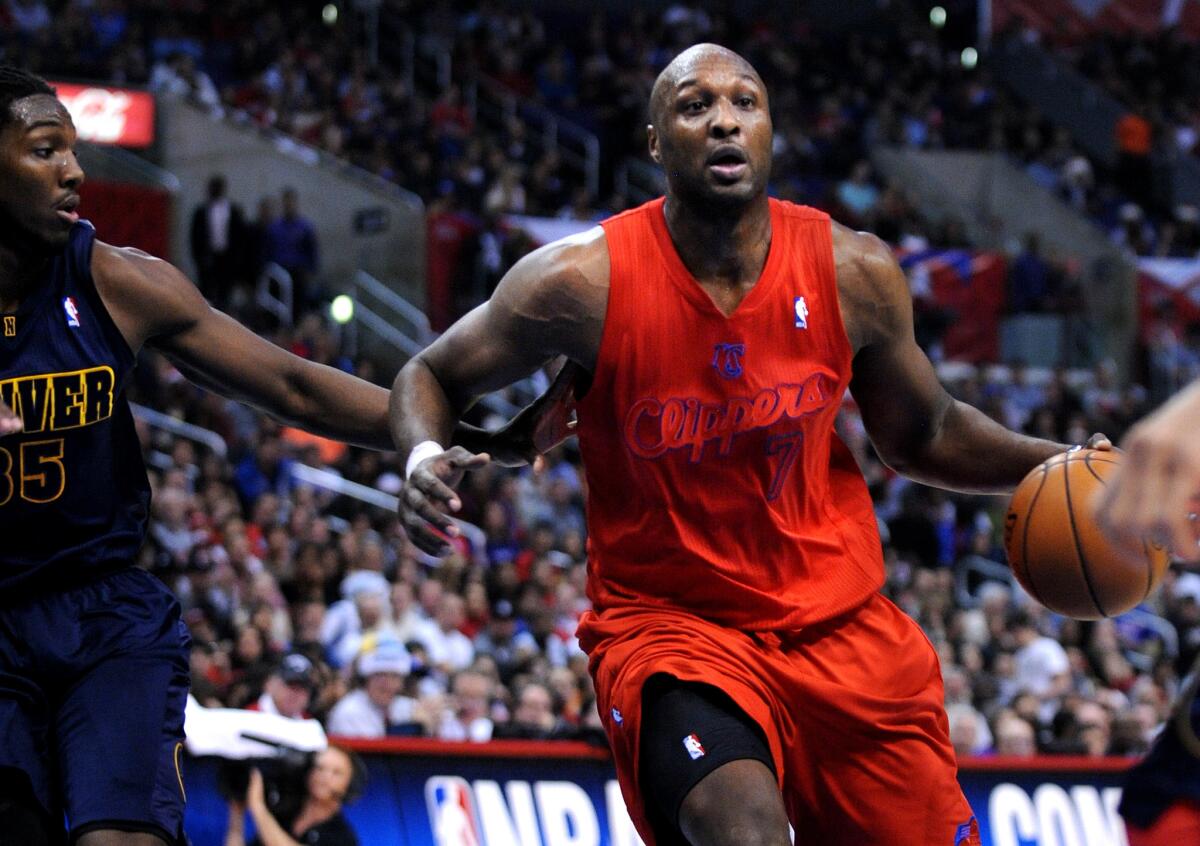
[652, 139]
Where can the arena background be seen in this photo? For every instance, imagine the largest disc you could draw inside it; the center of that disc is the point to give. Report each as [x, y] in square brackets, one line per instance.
[1033, 164]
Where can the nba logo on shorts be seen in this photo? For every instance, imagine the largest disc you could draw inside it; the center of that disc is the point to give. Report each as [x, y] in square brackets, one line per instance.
[693, 746]
[72, 311]
[452, 812]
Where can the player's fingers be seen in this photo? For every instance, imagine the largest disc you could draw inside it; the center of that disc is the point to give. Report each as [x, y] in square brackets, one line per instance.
[539, 464]
[422, 535]
[1100, 441]
[9, 421]
[431, 487]
[417, 504]
[467, 460]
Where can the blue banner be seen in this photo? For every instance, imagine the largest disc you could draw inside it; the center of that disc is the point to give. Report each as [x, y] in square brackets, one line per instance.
[530, 794]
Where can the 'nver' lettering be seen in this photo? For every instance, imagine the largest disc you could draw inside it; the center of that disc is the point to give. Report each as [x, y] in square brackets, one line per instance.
[53, 402]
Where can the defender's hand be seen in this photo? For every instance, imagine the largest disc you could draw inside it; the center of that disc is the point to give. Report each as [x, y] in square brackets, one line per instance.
[10, 423]
[540, 426]
[1155, 493]
[429, 494]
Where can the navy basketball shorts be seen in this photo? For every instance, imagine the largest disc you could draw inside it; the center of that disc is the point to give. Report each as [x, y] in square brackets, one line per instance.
[93, 685]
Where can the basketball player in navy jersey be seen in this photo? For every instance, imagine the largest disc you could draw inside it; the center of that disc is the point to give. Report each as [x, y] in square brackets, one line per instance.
[93, 655]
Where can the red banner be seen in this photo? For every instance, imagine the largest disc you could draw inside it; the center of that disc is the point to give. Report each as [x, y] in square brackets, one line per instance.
[105, 115]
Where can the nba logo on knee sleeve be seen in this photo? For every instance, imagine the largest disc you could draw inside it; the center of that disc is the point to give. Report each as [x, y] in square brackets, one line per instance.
[967, 833]
[693, 746]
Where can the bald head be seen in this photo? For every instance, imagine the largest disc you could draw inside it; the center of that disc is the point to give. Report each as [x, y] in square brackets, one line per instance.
[686, 66]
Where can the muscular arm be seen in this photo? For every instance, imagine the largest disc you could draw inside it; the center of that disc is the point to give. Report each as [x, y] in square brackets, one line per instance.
[917, 428]
[550, 303]
[154, 304]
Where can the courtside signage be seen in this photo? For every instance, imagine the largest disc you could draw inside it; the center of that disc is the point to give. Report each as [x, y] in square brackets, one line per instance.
[107, 115]
[475, 795]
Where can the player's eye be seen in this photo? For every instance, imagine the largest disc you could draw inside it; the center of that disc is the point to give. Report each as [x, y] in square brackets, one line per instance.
[43, 152]
[695, 106]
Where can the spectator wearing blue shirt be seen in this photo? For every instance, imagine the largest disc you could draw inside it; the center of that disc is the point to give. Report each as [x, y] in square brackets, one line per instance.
[291, 242]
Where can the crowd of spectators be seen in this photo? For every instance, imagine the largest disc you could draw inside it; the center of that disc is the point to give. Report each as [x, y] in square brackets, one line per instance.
[306, 603]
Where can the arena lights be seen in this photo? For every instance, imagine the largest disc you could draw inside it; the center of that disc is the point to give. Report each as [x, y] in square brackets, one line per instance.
[342, 308]
[329, 14]
[937, 16]
[969, 57]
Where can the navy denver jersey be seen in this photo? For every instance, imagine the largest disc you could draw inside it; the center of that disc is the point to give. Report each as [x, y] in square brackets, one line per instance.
[74, 496]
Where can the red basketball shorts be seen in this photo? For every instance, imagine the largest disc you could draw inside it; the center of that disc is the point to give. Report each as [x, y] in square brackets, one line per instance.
[1179, 824]
[851, 708]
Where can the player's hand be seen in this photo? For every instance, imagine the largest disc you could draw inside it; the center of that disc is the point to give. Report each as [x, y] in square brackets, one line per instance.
[1154, 493]
[540, 426]
[10, 423]
[1099, 441]
[256, 795]
[429, 496]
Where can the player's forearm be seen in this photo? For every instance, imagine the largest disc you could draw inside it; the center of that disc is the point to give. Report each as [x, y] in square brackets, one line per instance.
[333, 404]
[421, 410]
[971, 453]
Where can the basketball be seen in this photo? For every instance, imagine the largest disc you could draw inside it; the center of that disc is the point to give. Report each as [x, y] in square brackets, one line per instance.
[1056, 549]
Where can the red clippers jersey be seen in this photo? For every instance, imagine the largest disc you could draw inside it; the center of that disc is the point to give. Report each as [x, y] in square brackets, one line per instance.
[716, 484]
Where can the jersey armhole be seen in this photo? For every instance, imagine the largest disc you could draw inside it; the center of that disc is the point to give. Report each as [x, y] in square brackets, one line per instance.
[87, 284]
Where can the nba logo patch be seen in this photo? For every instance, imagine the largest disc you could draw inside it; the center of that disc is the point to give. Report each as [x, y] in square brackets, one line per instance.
[72, 311]
[452, 813]
[967, 833]
[693, 746]
[800, 309]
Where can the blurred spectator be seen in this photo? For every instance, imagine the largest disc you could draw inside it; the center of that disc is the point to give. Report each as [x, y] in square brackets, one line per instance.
[288, 689]
[378, 708]
[1134, 138]
[468, 715]
[1030, 279]
[532, 716]
[218, 242]
[290, 241]
[449, 649]
[1041, 664]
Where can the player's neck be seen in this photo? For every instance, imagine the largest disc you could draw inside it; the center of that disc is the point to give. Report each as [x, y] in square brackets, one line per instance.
[721, 247]
[20, 272]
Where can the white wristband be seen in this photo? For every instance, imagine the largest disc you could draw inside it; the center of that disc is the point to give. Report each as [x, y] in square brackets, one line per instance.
[423, 450]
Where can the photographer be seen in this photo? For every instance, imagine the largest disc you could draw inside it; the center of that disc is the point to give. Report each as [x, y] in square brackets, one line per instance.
[334, 776]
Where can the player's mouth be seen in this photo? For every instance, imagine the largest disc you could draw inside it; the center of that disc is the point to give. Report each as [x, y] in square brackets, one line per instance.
[66, 209]
[728, 163]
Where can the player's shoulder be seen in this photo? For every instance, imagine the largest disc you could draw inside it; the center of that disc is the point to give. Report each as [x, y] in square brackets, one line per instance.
[579, 260]
[796, 212]
[112, 264]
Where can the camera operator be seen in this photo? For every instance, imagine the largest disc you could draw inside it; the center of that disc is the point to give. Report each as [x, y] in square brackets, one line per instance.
[335, 776]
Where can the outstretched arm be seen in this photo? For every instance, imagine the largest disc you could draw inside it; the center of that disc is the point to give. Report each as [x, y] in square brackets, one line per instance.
[154, 303]
[917, 428]
[551, 302]
[1155, 492]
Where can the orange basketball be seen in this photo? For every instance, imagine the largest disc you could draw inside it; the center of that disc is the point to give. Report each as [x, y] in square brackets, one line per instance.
[1056, 549]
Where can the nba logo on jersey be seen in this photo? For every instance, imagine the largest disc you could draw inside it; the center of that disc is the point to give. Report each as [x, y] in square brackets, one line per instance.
[801, 309]
[452, 812]
[693, 746]
[72, 311]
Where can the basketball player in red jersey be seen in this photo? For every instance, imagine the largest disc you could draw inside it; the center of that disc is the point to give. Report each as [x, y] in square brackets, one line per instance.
[748, 671]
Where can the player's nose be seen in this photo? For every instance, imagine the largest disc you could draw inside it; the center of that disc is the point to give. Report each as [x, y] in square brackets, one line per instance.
[725, 120]
[71, 174]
